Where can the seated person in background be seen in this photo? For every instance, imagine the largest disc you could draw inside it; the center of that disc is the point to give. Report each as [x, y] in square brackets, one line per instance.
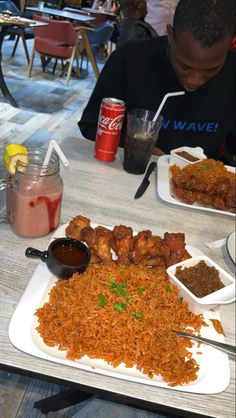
[196, 58]
[160, 13]
[132, 24]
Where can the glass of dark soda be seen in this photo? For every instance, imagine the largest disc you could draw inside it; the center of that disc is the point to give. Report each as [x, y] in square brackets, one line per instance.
[140, 139]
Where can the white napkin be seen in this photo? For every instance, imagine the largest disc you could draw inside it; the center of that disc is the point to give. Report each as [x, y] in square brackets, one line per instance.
[216, 244]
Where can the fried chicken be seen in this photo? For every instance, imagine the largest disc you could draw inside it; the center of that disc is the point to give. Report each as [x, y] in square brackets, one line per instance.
[122, 243]
[103, 240]
[146, 246]
[76, 225]
[176, 244]
[99, 242]
[88, 236]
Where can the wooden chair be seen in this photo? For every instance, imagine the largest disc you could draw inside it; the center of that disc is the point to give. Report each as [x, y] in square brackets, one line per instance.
[58, 40]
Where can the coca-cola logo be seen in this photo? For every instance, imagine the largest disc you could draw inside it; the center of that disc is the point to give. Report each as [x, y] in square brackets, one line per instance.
[110, 124]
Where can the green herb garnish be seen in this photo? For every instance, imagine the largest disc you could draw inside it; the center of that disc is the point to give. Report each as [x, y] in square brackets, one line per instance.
[142, 289]
[102, 301]
[120, 307]
[168, 288]
[136, 314]
[120, 289]
[129, 300]
[181, 299]
[204, 167]
[112, 281]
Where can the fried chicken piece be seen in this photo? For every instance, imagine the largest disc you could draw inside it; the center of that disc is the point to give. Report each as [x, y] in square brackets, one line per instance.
[99, 242]
[191, 197]
[176, 244]
[184, 195]
[145, 245]
[88, 235]
[122, 243]
[76, 225]
[149, 247]
[103, 240]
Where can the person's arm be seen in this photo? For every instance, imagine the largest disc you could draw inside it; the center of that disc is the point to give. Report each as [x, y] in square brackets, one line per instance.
[111, 83]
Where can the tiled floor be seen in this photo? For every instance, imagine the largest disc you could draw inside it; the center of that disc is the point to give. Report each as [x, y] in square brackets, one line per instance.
[48, 110]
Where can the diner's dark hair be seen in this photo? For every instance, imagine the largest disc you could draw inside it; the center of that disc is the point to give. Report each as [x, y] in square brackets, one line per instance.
[209, 21]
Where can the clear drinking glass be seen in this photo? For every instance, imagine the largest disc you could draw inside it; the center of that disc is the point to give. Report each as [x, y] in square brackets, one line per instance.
[140, 139]
[34, 195]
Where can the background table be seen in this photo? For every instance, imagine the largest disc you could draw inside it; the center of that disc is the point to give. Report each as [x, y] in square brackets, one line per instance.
[104, 192]
[3, 32]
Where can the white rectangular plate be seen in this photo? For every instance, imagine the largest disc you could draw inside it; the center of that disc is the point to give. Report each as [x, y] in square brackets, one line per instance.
[164, 188]
[213, 376]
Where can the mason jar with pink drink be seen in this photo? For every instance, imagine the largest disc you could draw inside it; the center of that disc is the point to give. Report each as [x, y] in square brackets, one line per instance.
[34, 195]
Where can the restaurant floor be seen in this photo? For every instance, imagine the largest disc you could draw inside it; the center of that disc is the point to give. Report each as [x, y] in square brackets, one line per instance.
[48, 109]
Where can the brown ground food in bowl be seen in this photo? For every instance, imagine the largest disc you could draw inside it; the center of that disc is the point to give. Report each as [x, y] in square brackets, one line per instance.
[187, 156]
[200, 279]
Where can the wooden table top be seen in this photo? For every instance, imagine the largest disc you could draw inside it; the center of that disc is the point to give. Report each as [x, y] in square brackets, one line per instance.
[104, 193]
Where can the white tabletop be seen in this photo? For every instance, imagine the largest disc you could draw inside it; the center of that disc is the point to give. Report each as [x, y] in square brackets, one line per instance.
[104, 193]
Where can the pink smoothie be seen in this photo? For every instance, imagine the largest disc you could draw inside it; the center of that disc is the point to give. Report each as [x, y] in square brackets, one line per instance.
[34, 206]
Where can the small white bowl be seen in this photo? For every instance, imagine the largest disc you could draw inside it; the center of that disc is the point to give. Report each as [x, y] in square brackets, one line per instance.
[181, 161]
[211, 301]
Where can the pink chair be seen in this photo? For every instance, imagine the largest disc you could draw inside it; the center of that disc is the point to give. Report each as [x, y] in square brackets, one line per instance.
[58, 40]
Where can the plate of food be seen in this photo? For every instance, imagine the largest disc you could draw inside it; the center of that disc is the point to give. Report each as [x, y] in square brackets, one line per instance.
[80, 322]
[205, 185]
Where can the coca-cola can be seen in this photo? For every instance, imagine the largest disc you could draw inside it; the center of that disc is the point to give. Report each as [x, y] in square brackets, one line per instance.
[109, 128]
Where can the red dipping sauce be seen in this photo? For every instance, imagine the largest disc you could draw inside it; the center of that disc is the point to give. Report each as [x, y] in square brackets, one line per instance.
[69, 255]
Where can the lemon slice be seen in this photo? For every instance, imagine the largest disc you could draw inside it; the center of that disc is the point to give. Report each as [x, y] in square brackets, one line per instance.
[12, 154]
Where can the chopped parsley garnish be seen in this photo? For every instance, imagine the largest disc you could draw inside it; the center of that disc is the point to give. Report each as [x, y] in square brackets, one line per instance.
[121, 289]
[120, 307]
[112, 282]
[136, 314]
[168, 288]
[204, 167]
[181, 299]
[102, 301]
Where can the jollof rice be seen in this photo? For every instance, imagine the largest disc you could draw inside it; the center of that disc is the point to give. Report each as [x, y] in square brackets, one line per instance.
[122, 314]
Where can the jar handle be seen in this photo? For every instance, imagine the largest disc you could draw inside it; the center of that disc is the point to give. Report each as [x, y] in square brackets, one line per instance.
[34, 253]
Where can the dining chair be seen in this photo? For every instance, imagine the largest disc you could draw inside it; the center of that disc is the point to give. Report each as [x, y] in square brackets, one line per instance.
[20, 32]
[57, 40]
[98, 40]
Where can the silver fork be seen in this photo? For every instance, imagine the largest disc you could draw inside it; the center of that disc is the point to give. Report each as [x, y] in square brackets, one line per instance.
[226, 348]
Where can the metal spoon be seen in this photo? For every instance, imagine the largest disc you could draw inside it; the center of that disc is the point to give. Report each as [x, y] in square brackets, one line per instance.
[226, 348]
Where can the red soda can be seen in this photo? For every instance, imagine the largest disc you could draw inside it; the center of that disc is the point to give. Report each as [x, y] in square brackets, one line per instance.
[109, 128]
